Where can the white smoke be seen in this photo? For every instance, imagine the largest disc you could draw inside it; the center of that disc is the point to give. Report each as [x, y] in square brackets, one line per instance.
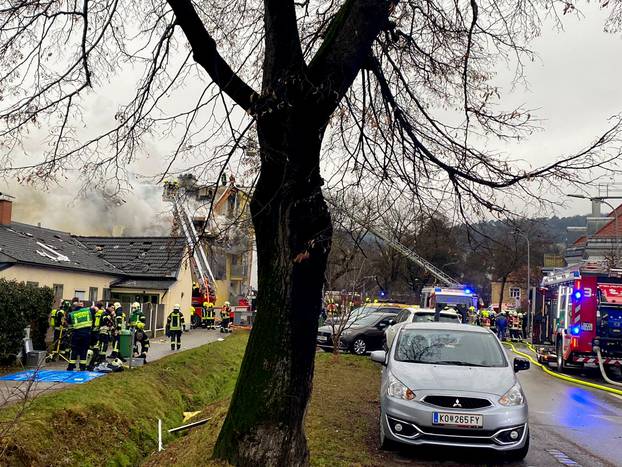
[69, 208]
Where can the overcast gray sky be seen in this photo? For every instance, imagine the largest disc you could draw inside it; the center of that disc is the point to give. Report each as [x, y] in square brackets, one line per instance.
[573, 84]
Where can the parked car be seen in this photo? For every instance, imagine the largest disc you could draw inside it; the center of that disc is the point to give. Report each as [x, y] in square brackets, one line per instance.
[417, 315]
[360, 334]
[450, 384]
[394, 308]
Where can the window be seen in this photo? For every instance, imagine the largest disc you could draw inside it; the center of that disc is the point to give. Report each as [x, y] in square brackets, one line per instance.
[32, 284]
[402, 316]
[106, 295]
[58, 292]
[93, 294]
[440, 347]
[80, 294]
[515, 292]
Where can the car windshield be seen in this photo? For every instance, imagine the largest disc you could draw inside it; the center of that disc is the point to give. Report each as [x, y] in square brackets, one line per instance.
[449, 347]
[429, 317]
[363, 319]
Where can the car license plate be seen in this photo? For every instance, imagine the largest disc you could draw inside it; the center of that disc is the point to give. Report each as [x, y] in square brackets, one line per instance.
[458, 419]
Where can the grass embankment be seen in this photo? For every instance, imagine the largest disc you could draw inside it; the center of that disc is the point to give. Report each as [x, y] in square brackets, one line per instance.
[341, 423]
[112, 420]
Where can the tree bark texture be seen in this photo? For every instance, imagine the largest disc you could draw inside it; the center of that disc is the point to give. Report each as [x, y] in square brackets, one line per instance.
[264, 425]
[504, 279]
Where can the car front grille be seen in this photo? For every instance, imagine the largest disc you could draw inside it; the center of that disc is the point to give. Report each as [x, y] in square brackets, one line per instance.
[456, 402]
[465, 440]
[437, 430]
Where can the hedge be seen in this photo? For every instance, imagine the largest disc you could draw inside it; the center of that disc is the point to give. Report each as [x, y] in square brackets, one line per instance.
[22, 305]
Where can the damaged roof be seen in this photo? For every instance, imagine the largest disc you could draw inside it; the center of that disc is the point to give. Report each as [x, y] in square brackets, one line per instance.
[140, 256]
[29, 244]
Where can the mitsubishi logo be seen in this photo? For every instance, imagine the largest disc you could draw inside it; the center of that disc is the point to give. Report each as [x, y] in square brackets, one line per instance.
[457, 403]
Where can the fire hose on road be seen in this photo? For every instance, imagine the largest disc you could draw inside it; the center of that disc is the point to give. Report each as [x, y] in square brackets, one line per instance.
[566, 377]
[602, 368]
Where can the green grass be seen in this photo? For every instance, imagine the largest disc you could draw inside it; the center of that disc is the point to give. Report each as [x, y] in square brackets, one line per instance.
[112, 420]
[341, 424]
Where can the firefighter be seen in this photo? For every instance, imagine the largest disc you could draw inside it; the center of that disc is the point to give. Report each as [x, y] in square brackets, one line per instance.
[106, 327]
[471, 315]
[140, 337]
[210, 315]
[136, 315]
[119, 325]
[485, 319]
[81, 321]
[174, 324]
[93, 352]
[57, 317]
[225, 317]
[502, 324]
[513, 324]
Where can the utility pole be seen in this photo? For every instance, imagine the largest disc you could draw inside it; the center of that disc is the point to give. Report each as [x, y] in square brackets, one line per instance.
[529, 317]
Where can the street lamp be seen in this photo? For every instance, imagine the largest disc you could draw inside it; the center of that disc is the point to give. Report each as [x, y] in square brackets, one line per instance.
[601, 199]
[529, 317]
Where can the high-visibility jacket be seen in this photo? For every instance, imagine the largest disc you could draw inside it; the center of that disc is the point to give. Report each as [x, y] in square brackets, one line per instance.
[175, 320]
[119, 320]
[52, 319]
[81, 319]
[137, 316]
[211, 314]
[97, 319]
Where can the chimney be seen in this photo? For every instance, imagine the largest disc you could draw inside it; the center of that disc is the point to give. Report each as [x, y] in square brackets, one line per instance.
[6, 206]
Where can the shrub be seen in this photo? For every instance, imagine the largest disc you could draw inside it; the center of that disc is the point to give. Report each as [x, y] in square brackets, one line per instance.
[21, 305]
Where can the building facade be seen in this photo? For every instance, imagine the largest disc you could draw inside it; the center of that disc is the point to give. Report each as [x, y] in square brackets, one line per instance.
[149, 270]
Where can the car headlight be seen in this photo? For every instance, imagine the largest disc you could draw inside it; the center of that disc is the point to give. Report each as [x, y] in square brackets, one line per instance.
[346, 332]
[513, 397]
[397, 390]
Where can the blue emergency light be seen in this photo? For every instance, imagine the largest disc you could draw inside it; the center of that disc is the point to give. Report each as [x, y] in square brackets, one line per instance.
[577, 295]
[575, 330]
[437, 289]
[468, 291]
[382, 293]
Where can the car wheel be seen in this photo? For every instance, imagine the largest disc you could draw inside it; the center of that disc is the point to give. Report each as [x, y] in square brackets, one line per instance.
[519, 454]
[359, 346]
[386, 444]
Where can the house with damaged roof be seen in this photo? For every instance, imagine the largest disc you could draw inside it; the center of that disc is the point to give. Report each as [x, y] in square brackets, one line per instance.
[149, 270]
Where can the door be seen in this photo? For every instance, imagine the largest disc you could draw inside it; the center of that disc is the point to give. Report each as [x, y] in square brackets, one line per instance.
[374, 336]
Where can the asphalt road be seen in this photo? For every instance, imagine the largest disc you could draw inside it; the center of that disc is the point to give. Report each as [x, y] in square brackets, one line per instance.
[570, 425]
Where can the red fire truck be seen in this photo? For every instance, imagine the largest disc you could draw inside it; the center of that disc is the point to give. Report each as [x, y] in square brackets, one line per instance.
[584, 304]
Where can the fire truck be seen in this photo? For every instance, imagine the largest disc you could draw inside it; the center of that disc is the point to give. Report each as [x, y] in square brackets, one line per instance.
[584, 305]
[460, 298]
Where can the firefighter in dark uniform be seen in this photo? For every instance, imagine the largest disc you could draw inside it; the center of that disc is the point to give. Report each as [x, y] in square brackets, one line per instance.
[93, 353]
[81, 321]
[140, 337]
[106, 326]
[119, 325]
[210, 315]
[174, 324]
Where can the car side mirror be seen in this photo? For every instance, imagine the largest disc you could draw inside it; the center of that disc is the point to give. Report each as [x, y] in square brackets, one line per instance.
[379, 356]
[521, 364]
[391, 322]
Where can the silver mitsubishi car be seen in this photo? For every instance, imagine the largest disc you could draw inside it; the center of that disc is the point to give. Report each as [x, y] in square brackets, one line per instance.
[451, 384]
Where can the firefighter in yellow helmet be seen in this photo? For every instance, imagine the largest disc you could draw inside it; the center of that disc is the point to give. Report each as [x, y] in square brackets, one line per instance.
[141, 338]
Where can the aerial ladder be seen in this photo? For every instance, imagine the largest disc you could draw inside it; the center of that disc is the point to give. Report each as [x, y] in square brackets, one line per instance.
[411, 255]
[200, 265]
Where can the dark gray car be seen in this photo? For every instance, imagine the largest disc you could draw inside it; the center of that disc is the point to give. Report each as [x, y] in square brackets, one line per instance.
[360, 335]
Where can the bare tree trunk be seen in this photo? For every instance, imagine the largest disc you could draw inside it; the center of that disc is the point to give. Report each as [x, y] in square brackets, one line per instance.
[504, 279]
[264, 425]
